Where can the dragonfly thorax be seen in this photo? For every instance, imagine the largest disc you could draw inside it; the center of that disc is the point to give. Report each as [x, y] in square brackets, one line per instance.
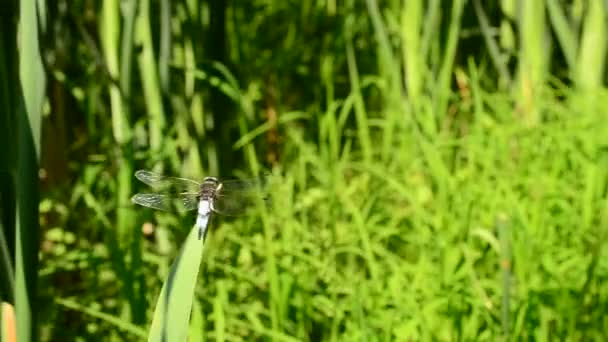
[209, 187]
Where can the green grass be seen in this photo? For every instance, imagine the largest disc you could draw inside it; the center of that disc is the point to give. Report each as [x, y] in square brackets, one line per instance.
[172, 314]
[23, 94]
[438, 170]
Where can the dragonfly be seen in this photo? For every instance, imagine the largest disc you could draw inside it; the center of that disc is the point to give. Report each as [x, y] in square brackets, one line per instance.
[212, 195]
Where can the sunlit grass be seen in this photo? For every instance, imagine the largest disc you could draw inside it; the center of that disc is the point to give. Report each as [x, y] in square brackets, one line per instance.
[419, 192]
[173, 307]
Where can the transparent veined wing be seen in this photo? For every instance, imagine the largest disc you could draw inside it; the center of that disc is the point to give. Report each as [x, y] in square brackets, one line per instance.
[234, 197]
[169, 185]
[235, 205]
[244, 185]
[167, 202]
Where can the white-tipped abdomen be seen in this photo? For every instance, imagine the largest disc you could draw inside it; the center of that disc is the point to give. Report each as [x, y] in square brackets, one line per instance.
[202, 220]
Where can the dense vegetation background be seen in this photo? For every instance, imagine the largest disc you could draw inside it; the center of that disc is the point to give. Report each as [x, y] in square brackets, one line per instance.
[439, 168]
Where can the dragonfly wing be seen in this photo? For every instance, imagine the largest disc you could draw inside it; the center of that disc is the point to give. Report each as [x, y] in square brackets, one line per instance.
[172, 185]
[244, 185]
[186, 201]
[234, 197]
[235, 204]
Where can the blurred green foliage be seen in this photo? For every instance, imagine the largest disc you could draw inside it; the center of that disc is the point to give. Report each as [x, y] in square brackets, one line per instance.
[439, 167]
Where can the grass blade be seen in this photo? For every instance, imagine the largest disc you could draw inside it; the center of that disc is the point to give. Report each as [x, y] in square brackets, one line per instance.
[563, 31]
[447, 65]
[149, 77]
[33, 83]
[592, 54]
[411, 23]
[8, 77]
[493, 49]
[174, 304]
[532, 58]
[506, 261]
[112, 320]
[359, 105]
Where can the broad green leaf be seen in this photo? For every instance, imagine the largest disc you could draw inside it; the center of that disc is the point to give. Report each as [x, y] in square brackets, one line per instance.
[174, 305]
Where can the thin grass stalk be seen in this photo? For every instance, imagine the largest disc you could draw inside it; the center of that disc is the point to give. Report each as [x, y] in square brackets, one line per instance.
[327, 77]
[110, 32]
[594, 223]
[112, 320]
[476, 92]
[532, 61]
[429, 33]
[386, 63]
[197, 155]
[123, 241]
[359, 106]
[389, 67]
[498, 60]
[165, 46]
[329, 119]
[189, 59]
[271, 262]
[506, 260]
[363, 236]
[219, 314]
[592, 55]
[187, 115]
[411, 24]
[125, 223]
[329, 134]
[507, 39]
[134, 284]
[126, 50]
[565, 33]
[328, 127]
[443, 89]
[196, 117]
[148, 71]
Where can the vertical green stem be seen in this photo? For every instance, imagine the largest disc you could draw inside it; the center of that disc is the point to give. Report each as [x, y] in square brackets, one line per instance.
[389, 67]
[411, 22]
[505, 265]
[592, 56]
[445, 73]
[271, 262]
[359, 105]
[33, 83]
[110, 31]
[119, 68]
[165, 45]
[149, 78]
[532, 58]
